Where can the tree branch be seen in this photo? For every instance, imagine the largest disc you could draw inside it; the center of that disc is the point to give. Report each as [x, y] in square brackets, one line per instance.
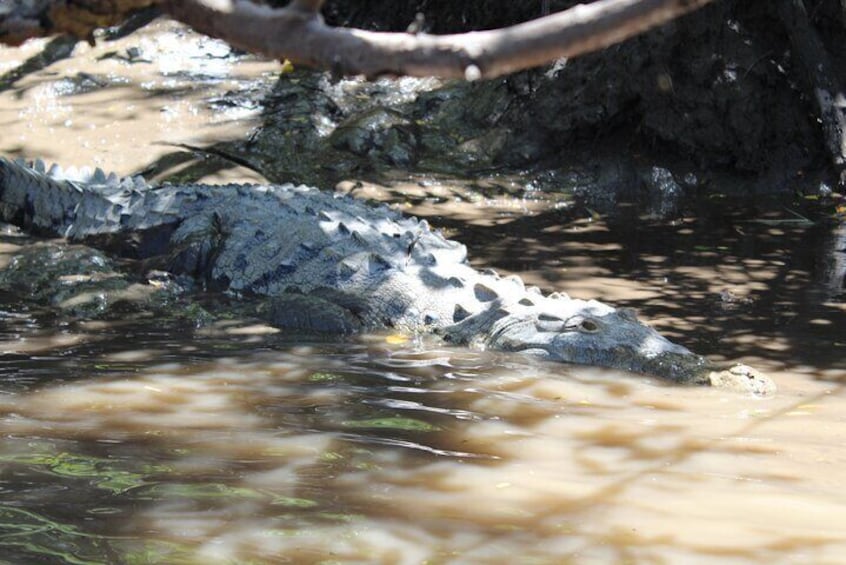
[820, 79]
[298, 33]
[301, 36]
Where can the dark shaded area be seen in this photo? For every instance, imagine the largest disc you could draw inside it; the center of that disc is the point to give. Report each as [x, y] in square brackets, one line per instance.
[718, 88]
[438, 16]
[57, 49]
[801, 307]
[718, 93]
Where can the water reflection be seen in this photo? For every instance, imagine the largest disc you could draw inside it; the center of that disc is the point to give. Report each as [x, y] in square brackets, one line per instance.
[220, 447]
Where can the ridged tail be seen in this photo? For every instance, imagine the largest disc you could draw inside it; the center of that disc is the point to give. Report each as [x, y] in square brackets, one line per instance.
[46, 200]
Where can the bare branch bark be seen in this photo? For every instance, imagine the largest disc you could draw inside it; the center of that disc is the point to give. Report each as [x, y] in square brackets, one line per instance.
[302, 37]
[298, 33]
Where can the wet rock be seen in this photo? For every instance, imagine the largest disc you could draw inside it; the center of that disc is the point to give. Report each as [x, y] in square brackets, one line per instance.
[616, 188]
[712, 91]
[482, 151]
[743, 378]
[293, 145]
[318, 131]
[377, 134]
[663, 194]
[606, 185]
[79, 281]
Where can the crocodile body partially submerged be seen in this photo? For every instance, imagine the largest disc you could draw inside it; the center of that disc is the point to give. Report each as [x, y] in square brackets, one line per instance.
[334, 264]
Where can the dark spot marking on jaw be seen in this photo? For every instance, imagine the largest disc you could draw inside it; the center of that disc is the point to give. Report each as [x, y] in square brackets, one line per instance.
[588, 325]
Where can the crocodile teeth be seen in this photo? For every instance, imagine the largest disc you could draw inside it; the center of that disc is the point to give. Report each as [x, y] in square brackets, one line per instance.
[515, 281]
[559, 296]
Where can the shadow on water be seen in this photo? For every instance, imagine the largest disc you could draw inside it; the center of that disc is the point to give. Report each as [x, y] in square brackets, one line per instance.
[156, 442]
[57, 49]
[725, 283]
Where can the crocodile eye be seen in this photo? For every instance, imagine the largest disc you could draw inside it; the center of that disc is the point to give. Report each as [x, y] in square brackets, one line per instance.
[588, 325]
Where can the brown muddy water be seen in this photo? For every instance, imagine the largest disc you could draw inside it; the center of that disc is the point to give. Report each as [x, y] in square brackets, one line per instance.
[143, 441]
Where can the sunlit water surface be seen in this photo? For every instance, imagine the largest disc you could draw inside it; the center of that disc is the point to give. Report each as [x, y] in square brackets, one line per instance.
[138, 441]
[169, 444]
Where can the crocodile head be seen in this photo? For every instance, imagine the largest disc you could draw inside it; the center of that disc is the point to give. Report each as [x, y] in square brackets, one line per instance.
[593, 333]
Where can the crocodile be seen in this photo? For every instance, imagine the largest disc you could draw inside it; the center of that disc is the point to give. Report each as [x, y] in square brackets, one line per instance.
[331, 263]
